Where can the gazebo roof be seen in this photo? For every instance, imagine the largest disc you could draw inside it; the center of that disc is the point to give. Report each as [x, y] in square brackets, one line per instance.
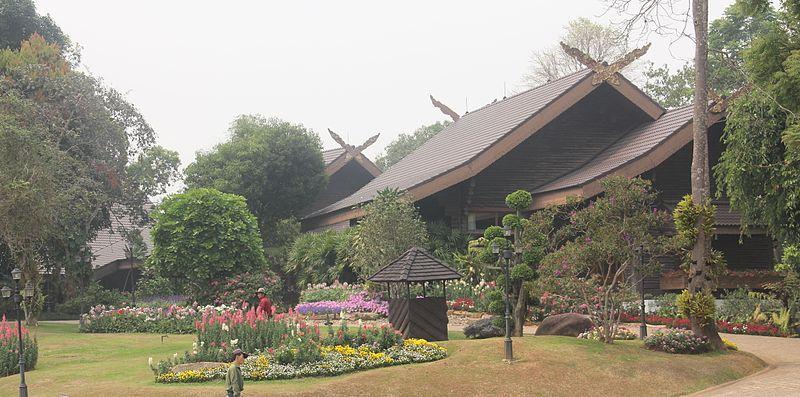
[415, 266]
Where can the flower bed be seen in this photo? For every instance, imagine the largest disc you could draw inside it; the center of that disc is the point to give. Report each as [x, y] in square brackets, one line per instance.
[722, 326]
[677, 342]
[333, 292]
[170, 320]
[9, 348]
[357, 302]
[335, 360]
[596, 333]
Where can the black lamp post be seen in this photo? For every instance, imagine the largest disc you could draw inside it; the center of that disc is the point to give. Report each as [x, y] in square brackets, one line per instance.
[643, 325]
[27, 293]
[507, 255]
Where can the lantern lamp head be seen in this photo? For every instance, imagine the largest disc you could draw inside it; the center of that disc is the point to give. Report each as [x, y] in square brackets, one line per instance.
[6, 292]
[16, 274]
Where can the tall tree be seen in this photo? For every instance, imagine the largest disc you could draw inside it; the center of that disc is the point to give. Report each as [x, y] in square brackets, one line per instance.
[69, 144]
[700, 275]
[19, 20]
[604, 43]
[406, 143]
[277, 166]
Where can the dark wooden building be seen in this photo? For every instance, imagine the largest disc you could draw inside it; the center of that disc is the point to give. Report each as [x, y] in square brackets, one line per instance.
[556, 140]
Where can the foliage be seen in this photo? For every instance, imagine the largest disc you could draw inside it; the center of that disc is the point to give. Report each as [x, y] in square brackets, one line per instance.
[493, 232]
[93, 295]
[170, 320]
[677, 342]
[761, 130]
[446, 242]
[685, 215]
[740, 305]
[512, 221]
[790, 260]
[463, 295]
[9, 348]
[276, 165]
[329, 292]
[519, 200]
[603, 43]
[699, 305]
[68, 154]
[406, 143]
[19, 20]
[671, 90]
[242, 288]
[390, 226]
[314, 259]
[666, 305]
[357, 302]
[599, 266]
[334, 360]
[204, 235]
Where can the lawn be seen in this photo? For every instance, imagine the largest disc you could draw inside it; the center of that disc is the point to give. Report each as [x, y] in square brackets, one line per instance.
[74, 364]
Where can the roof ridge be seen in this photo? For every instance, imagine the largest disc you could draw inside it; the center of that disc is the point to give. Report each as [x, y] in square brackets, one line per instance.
[526, 91]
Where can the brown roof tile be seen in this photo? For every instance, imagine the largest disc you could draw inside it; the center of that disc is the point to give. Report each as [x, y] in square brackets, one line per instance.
[330, 155]
[109, 245]
[462, 141]
[629, 147]
[415, 265]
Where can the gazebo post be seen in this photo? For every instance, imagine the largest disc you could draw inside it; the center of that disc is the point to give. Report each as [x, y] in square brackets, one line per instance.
[424, 292]
[408, 290]
[389, 290]
[444, 289]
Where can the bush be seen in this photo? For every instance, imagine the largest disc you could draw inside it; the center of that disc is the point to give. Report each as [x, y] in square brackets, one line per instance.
[93, 295]
[700, 305]
[204, 235]
[242, 288]
[519, 200]
[9, 347]
[596, 333]
[742, 305]
[666, 305]
[677, 342]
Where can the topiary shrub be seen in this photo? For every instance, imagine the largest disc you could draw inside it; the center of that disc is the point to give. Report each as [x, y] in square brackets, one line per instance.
[493, 232]
[519, 200]
[698, 305]
[512, 221]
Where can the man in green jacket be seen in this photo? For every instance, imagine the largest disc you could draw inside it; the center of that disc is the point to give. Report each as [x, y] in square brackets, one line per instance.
[234, 382]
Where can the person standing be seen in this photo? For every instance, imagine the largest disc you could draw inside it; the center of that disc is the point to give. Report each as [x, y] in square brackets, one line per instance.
[234, 383]
[264, 305]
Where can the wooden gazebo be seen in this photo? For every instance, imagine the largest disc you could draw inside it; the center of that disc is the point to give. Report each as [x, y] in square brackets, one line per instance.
[417, 315]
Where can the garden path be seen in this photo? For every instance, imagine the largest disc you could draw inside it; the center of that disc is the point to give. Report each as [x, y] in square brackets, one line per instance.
[781, 378]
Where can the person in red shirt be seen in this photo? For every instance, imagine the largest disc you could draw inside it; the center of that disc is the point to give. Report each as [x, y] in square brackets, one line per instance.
[264, 305]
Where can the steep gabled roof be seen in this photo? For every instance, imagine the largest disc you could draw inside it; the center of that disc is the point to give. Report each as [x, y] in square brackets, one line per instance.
[636, 143]
[415, 265]
[109, 245]
[330, 155]
[480, 137]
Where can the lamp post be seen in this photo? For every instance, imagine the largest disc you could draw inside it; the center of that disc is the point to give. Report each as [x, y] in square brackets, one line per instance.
[27, 293]
[507, 254]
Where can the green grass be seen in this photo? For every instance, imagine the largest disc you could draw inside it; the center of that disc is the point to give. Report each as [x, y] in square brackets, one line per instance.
[74, 364]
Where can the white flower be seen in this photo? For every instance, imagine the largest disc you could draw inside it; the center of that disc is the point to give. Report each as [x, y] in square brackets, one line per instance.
[175, 356]
[234, 342]
[360, 323]
[202, 343]
[194, 345]
[150, 361]
[225, 327]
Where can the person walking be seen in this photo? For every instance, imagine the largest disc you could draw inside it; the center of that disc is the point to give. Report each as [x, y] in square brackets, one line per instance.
[234, 383]
[264, 305]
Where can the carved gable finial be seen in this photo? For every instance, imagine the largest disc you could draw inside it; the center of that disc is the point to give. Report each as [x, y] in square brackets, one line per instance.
[352, 151]
[604, 72]
[446, 110]
[719, 103]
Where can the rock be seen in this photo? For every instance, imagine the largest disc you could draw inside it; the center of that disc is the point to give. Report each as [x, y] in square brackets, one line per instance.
[567, 324]
[482, 328]
[196, 366]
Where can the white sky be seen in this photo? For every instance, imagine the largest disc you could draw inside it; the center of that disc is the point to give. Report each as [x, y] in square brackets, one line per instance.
[357, 67]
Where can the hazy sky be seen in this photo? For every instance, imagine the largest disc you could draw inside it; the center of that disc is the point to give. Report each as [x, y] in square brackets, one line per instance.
[359, 68]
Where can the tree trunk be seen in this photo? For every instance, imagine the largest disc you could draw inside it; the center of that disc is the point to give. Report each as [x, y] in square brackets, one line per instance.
[520, 310]
[699, 277]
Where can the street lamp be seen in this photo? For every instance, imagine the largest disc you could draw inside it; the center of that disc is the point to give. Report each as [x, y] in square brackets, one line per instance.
[507, 341]
[27, 293]
[643, 325]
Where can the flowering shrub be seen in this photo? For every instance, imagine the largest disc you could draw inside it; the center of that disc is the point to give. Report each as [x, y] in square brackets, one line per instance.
[242, 288]
[358, 302]
[677, 342]
[172, 320]
[333, 360]
[466, 304]
[329, 292]
[729, 345]
[596, 333]
[462, 295]
[722, 326]
[9, 348]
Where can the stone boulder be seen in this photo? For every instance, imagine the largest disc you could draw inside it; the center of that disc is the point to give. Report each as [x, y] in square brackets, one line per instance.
[483, 328]
[567, 324]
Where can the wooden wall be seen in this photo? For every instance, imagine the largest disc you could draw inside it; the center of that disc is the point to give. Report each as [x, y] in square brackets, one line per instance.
[424, 318]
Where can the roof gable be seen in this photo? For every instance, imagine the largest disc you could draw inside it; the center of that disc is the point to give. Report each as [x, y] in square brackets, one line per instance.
[480, 137]
[415, 265]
